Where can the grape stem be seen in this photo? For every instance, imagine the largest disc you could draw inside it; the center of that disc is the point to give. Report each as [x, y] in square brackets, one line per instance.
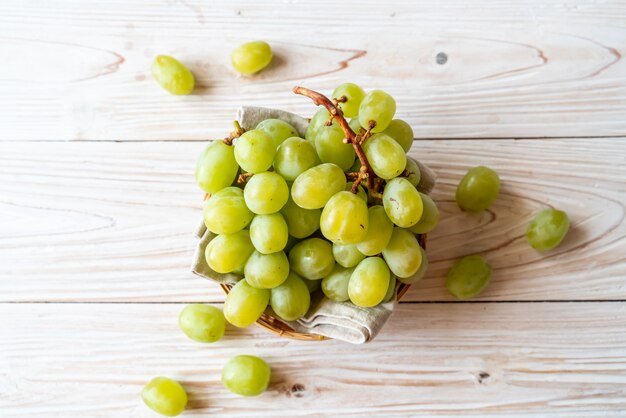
[234, 134]
[366, 172]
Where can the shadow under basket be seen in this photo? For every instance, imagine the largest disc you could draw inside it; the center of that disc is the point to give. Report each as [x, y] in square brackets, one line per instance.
[278, 327]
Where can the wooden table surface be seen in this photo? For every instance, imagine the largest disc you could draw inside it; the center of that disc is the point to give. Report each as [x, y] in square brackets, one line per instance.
[98, 203]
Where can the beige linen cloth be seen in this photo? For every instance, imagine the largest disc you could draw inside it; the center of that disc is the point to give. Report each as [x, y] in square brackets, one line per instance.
[340, 320]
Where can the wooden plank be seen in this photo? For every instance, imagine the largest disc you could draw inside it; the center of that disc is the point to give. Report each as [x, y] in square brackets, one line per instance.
[557, 359]
[112, 221]
[80, 70]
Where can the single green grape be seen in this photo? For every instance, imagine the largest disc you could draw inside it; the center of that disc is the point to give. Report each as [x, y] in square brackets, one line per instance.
[430, 216]
[378, 232]
[313, 188]
[377, 109]
[369, 282]
[547, 230]
[172, 75]
[335, 285]
[401, 132]
[347, 255]
[226, 211]
[216, 167]
[266, 193]
[402, 202]
[330, 147]
[420, 273]
[266, 271]
[468, 277]
[353, 96]
[246, 375]
[478, 189]
[255, 151]
[278, 129]
[402, 254]
[313, 285]
[312, 258]
[294, 157]
[415, 175]
[300, 222]
[291, 300]
[202, 323]
[244, 304]
[385, 155]
[344, 219]
[229, 252]
[269, 233]
[355, 125]
[318, 120]
[251, 57]
[360, 191]
[165, 396]
[391, 290]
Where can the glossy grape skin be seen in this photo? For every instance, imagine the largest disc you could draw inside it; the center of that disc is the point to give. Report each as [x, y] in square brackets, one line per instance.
[266, 193]
[251, 57]
[312, 258]
[402, 254]
[202, 323]
[430, 216]
[344, 219]
[402, 202]
[478, 189]
[229, 252]
[379, 107]
[216, 167]
[278, 129]
[335, 285]
[420, 273]
[269, 233]
[378, 232]
[347, 255]
[246, 375]
[355, 125]
[369, 282]
[165, 396]
[313, 188]
[401, 132]
[294, 157]
[172, 75]
[244, 304]
[413, 169]
[391, 290]
[354, 95]
[291, 300]
[255, 151]
[318, 120]
[468, 277]
[266, 271]
[547, 229]
[330, 147]
[300, 222]
[226, 212]
[313, 285]
[385, 155]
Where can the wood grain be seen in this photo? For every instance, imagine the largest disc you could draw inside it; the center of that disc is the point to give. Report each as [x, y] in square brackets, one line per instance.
[79, 70]
[113, 221]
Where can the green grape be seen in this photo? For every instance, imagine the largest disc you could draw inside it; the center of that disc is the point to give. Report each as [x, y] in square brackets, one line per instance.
[255, 151]
[478, 189]
[354, 96]
[330, 147]
[313, 285]
[294, 157]
[300, 222]
[266, 193]
[344, 218]
[402, 202]
[165, 396]
[291, 241]
[202, 323]
[385, 155]
[548, 229]
[313, 188]
[318, 120]
[391, 290]
[360, 192]
[216, 167]
[229, 252]
[402, 254]
[251, 57]
[430, 216]
[172, 75]
[468, 277]
[291, 300]
[378, 109]
[226, 212]
[347, 255]
[312, 258]
[269, 233]
[244, 304]
[355, 125]
[378, 233]
[413, 169]
[369, 282]
[401, 132]
[420, 273]
[335, 285]
[266, 271]
[278, 129]
[246, 375]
